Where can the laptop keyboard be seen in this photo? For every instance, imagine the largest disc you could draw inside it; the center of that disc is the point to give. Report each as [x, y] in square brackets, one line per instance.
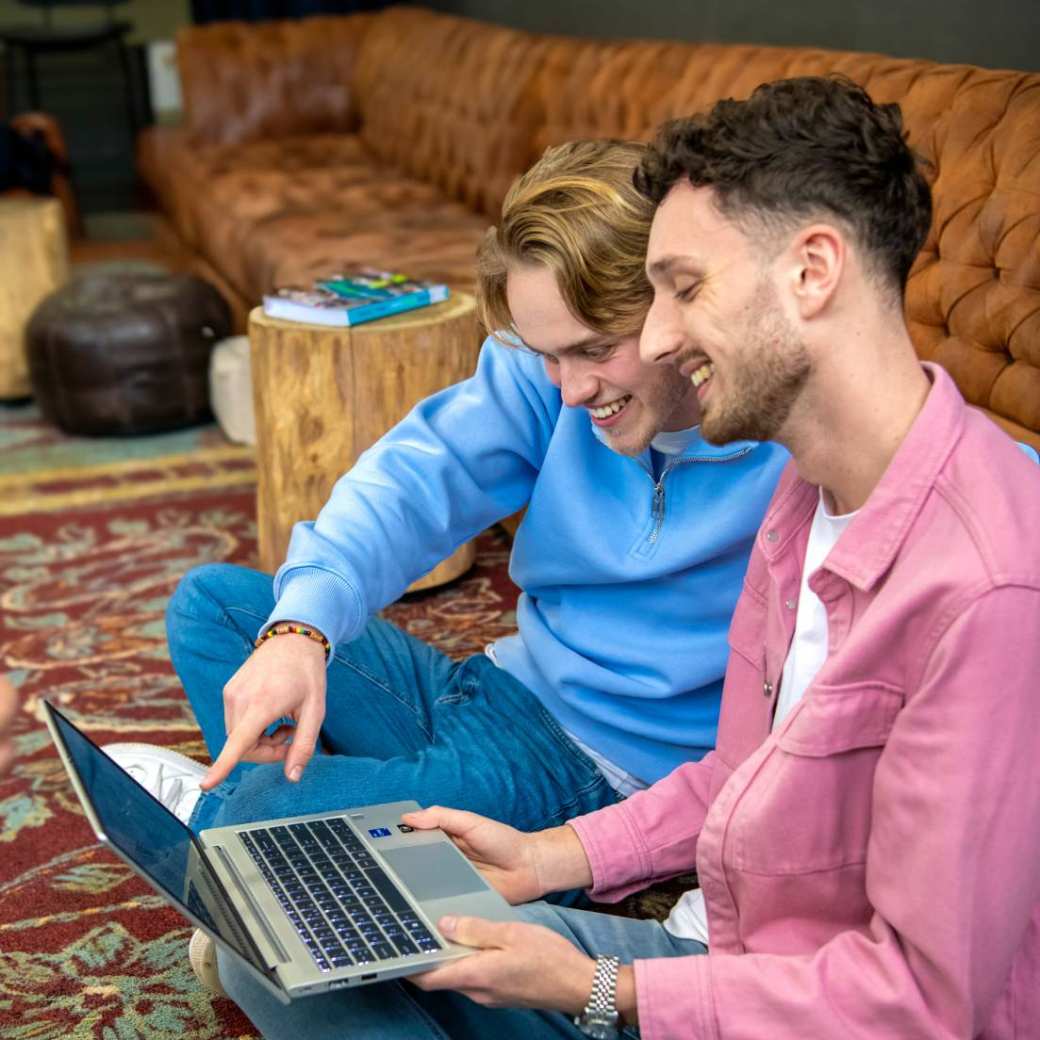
[340, 901]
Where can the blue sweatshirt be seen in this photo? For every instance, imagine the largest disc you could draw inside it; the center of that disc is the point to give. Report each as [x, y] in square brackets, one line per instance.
[628, 583]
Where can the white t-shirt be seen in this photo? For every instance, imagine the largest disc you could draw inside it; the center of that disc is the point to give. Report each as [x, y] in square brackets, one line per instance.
[689, 916]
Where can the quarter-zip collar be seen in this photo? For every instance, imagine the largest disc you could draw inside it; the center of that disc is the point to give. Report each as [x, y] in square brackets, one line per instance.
[698, 450]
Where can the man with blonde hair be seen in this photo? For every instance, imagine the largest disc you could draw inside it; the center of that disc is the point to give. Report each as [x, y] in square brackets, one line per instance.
[630, 558]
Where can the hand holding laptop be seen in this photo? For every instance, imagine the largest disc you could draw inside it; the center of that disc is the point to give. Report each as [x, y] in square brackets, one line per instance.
[522, 867]
[518, 964]
[283, 677]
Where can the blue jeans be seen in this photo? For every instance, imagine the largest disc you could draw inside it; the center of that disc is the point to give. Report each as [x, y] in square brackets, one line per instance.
[398, 1011]
[403, 721]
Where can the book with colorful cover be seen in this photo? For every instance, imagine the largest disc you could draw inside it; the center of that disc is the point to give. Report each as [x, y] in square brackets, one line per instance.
[352, 298]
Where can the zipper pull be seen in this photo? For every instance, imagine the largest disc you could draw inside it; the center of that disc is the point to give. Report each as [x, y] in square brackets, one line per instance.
[658, 510]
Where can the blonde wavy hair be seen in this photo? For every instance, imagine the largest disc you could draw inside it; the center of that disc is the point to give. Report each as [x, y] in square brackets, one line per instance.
[577, 212]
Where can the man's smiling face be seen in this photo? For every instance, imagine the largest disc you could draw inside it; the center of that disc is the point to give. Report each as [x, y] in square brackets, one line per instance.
[717, 319]
[629, 400]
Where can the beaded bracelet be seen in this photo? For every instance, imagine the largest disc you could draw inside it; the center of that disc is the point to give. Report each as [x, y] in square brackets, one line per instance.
[284, 628]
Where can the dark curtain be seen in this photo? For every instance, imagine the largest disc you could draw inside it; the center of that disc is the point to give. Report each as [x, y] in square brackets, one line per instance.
[258, 10]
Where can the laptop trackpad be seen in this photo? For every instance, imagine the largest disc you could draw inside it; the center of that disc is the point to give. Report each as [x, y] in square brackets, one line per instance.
[434, 871]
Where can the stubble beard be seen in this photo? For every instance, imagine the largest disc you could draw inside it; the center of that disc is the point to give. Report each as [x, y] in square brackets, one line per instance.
[765, 380]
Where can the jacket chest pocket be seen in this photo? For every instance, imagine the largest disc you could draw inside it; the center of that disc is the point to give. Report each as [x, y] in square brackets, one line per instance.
[808, 805]
[744, 717]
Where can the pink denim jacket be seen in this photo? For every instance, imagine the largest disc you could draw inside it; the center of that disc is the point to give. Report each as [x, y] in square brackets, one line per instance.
[872, 868]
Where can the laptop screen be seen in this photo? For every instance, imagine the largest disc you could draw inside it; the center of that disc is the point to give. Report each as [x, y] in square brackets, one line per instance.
[152, 838]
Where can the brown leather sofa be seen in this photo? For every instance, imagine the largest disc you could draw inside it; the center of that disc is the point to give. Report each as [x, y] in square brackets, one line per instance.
[392, 138]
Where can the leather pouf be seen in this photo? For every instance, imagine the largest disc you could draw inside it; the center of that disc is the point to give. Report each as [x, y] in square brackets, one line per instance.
[123, 351]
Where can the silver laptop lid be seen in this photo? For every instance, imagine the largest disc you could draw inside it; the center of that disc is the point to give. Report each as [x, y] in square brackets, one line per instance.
[150, 838]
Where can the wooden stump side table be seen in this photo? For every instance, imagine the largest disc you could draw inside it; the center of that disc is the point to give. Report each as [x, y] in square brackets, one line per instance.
[34, 261]
[323, 395]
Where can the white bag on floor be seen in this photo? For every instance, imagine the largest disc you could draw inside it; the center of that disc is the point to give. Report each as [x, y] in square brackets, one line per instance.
[231, 389]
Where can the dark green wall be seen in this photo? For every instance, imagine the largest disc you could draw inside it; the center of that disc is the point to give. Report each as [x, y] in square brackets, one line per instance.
[995, 33]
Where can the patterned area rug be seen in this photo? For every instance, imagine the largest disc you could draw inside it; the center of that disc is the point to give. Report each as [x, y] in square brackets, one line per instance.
[44, 469]
[91, 547]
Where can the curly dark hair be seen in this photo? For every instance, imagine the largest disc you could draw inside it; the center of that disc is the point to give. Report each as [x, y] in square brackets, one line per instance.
[797, 148]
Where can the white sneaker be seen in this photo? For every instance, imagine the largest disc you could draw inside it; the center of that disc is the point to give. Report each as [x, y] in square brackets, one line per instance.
[171, 777]
[202, 956]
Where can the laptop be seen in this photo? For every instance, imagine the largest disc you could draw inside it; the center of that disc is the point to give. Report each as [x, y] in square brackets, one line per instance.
[309, 903]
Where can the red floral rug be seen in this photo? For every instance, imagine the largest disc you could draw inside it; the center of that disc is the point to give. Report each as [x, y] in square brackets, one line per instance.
[86, 568]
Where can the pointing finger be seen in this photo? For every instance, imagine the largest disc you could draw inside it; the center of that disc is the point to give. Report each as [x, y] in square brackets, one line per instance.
[240, 741]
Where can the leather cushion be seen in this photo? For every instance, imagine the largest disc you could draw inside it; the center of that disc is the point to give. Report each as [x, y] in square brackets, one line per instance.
[244, 80]
[119, 351]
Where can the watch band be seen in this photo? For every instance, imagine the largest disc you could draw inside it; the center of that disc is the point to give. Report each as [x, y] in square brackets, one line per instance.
[599, 1019]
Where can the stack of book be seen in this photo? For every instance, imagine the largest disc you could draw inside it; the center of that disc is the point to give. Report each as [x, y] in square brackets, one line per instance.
[352, 298]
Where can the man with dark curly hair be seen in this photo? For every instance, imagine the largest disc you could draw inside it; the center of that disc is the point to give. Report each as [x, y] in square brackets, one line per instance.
[866, 832]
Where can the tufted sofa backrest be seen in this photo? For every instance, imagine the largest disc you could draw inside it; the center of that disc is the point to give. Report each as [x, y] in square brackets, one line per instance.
[447, 99]
[973, 297]
[247, 80]
[467, 106]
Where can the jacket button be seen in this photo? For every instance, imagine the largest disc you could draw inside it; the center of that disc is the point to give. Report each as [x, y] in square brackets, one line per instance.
[790, 604]
[767, 689]
[771, 536]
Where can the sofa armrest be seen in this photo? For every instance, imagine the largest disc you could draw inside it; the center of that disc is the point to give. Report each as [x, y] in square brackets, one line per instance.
[241, 81]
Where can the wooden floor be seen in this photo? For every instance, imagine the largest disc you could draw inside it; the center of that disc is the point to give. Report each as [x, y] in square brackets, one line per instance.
[139, 241]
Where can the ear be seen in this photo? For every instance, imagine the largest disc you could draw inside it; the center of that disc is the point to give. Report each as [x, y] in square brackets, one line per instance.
[817, 262]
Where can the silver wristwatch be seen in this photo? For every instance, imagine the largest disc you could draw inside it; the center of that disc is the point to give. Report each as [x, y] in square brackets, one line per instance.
[600, 1017]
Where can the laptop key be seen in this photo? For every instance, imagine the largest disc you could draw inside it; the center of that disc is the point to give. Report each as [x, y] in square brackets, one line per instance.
[383, 950]
[405, 946]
